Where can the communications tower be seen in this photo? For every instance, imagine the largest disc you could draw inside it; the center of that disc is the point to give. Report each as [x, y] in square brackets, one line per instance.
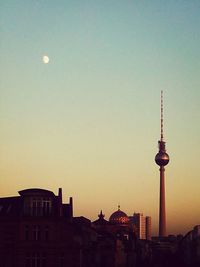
[162, 159]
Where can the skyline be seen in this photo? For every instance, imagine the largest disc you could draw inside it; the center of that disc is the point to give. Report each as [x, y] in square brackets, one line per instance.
[89, 120]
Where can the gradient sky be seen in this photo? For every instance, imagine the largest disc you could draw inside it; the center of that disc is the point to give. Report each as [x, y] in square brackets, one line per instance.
[89, 120]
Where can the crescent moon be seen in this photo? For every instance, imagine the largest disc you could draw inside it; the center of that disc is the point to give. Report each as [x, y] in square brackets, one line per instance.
[45, 59]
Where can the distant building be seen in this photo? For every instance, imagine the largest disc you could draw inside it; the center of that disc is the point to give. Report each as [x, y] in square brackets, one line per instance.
[126, 250]
[142, 225]
[148, 227]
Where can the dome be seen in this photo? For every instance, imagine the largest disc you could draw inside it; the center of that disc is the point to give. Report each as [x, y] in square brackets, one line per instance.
[119, 217]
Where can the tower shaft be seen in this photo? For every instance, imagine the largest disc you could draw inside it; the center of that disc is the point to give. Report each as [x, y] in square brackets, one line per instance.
[162, 212]
[162, 159]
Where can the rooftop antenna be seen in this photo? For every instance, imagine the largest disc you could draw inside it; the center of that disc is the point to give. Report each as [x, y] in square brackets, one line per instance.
[161, 118]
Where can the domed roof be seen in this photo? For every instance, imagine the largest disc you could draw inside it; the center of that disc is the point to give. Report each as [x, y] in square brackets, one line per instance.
[119, 217]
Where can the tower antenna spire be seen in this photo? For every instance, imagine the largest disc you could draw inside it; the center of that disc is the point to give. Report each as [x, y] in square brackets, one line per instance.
[161, 116]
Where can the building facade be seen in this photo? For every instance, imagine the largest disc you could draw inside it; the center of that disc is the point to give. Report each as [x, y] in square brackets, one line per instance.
[38, 230]
[142, 225]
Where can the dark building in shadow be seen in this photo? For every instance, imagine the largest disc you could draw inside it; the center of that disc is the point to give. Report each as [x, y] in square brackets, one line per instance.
[127, 250]
[189, 248]
[38, 230]
[118, 234]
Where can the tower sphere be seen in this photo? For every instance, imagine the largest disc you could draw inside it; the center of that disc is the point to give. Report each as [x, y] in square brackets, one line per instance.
[162, 158]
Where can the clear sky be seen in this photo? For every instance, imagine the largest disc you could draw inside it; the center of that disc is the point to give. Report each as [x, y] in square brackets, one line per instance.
[88, 121]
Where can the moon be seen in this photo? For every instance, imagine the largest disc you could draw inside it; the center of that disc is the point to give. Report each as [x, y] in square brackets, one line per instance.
[45, 59]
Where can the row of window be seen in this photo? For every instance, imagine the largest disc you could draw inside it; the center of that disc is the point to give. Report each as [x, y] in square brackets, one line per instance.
[36, 233]
[38, 206]
[37, 259]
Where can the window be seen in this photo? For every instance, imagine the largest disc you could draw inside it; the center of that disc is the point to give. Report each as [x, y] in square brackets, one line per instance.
[36, 232]
[61, 260]
[8, 209]
[43, 260]
[46, 233]
[26, 232]
[38, 206]
[35, 259]
[28, 260]
[46, 206]
[41, 206]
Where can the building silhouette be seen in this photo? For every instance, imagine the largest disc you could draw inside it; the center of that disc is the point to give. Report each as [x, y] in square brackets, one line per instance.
[38, 230]
[148, 227]
[119, 221]
[129, 249]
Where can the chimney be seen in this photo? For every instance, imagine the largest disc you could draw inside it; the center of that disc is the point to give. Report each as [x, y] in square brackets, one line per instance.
[71, 206]
[60, 202]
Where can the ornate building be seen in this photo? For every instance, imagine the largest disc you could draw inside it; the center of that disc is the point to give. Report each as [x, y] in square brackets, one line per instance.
[129, 249]
[121, 232]
[119, 217]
